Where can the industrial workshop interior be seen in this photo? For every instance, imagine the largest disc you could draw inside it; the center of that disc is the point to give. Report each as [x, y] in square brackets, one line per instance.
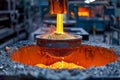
[59, 39]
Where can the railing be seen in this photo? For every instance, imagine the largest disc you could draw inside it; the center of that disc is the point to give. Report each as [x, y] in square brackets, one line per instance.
[113, 29]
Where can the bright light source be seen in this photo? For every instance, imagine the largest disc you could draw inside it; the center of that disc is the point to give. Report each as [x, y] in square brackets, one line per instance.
[89, 1]
[59, 28]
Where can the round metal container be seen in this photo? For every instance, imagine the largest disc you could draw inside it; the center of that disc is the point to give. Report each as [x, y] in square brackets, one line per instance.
[59, 48]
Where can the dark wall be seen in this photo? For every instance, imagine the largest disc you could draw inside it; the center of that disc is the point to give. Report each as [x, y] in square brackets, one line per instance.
[3, 5]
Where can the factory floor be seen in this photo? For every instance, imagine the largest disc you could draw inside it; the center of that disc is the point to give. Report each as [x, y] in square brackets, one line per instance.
[101, 38]
[107, 38]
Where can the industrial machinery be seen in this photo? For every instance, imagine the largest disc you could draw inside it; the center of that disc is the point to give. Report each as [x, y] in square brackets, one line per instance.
[58, 43]
[12, 23]
[59, 55]
[88, 16]
[63, 50]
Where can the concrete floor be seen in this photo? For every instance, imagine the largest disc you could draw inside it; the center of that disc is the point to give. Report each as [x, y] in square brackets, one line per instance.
[106, 38]
[100, 38]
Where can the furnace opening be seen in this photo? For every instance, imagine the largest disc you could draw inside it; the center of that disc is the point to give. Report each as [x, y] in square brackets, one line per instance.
[85, 56]
[84, 11]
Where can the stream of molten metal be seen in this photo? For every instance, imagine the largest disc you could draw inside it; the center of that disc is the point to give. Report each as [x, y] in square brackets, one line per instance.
[59, 24]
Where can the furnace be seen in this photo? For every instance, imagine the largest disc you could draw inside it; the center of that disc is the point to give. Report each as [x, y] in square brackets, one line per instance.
[84, 56]
[91, 60]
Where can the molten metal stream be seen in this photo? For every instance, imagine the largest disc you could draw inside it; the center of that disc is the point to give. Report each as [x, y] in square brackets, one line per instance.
[59, 28]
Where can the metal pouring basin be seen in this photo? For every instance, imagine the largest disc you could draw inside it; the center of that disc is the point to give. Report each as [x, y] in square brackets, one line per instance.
[59, 48]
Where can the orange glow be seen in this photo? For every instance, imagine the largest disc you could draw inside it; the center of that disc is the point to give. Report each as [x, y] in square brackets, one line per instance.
[59, 23]
[83, 12]
[57, 36]
[72, 14]
[59, 33]
[58, 6]
[61, 65]
[85, 56]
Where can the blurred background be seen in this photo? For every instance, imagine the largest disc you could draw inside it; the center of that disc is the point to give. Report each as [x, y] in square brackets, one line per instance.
[97, 20]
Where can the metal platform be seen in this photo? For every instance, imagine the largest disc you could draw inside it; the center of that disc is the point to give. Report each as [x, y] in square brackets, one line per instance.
[66, 23]
[78, 31]
[75, 31]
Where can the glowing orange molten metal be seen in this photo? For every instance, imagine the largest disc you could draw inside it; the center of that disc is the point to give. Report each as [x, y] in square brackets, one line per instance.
[85, 56]
[58, 6]
[61, 65]
[59, 28]
[56, 36]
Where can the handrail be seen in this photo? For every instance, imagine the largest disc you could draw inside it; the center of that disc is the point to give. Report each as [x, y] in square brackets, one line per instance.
[115, 29]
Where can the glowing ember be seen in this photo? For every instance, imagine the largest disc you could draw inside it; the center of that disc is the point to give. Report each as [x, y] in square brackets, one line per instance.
[61, 65]
[57, 36]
